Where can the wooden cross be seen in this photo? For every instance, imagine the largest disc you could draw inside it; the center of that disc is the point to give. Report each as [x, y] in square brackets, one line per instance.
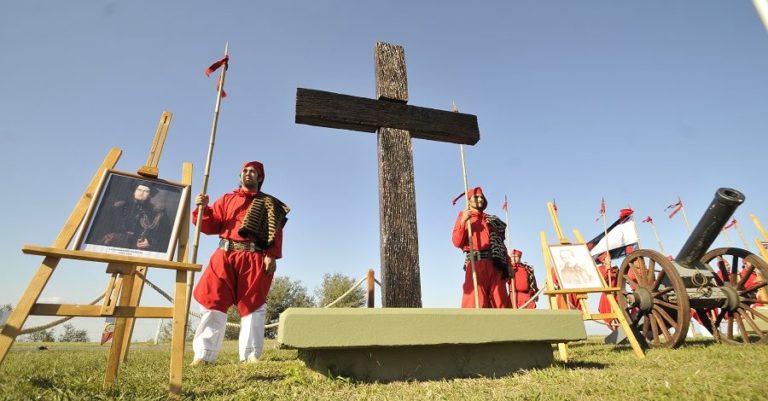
[396, 122]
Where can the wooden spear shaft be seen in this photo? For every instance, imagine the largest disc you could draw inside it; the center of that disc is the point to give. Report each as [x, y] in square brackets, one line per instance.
[469, 228]
[685, 217]
[741, 235]
[206, 174]
[509, 248]
[658, 239]
[607, 260]
[455, 109]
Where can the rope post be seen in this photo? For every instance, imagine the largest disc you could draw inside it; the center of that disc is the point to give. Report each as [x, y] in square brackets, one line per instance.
[371, 288]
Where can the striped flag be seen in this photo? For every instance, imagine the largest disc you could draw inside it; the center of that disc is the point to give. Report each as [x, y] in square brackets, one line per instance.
[729, 225]
[676, 207]
[648, 219]
[622, 237]
[504, 204]
[554, 205]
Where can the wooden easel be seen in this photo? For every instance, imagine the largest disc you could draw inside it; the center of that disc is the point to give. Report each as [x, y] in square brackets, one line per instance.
[581, 294]
[127, 275]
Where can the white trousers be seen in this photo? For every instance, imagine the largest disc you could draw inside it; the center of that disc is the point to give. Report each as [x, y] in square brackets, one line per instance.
[209, 335]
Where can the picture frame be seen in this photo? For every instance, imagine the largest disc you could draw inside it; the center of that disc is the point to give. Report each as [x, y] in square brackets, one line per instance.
[575, 267]
[134, 216]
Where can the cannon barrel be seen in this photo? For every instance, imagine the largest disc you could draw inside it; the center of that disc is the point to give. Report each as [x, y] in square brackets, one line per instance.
[711, 223]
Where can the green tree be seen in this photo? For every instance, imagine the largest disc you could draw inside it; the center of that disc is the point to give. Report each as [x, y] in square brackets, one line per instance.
[41, 336]
[73, 335]
[5, 312]
[166, 330]
[284, 294]
[335, 285]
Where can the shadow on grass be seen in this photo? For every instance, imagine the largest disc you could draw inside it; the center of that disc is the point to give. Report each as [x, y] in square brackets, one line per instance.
[580, 365]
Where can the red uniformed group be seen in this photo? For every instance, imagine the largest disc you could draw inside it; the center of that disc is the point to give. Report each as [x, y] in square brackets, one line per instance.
[502, 280]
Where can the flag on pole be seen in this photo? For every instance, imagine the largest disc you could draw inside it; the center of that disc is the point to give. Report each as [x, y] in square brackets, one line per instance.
[109, 329]
[621, 240]
[602, 209]
[554, 205]
[648, 219]
[676, 207]
[215, 66]
[504, 204]
[729, 225]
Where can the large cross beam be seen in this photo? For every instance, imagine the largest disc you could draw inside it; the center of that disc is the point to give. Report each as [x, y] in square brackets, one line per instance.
[396, 122]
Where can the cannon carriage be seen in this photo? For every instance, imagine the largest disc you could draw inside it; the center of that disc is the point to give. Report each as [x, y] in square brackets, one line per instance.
[722, 288]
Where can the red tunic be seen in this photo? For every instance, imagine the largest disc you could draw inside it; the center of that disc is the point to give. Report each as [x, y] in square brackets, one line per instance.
[492, 291]
[523, 290]
[610, 280]
[234, 277]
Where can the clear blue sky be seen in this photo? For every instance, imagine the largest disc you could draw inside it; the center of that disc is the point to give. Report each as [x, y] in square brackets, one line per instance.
[636, 102]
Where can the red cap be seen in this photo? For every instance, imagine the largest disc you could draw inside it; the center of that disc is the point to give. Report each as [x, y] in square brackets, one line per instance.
[256, 165]
[515, 252]
[472, 192]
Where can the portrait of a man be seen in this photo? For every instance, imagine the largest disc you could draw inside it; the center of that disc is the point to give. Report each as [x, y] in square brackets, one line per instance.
[134, 216]
[575, 267]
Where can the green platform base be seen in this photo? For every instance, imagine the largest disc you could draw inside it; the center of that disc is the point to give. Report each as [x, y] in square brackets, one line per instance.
[426, 344]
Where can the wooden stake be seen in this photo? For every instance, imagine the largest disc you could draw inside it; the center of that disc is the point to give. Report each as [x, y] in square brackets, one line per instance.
[469, 222]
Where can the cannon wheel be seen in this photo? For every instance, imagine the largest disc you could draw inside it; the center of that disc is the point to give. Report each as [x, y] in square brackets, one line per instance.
[745, 318]
[654, 297]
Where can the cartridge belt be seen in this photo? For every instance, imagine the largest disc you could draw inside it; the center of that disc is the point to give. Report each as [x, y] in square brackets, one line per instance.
[232, 245]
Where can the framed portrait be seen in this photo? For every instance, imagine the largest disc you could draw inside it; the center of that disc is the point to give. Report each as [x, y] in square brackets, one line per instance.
[134, 216]
[575, 267]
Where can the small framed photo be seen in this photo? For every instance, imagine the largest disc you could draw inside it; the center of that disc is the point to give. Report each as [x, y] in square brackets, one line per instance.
[134, 216]
[575, 267]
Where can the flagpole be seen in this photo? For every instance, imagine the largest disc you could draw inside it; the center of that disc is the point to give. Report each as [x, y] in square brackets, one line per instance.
[469, 222]
[727, 238]
[658, 239]
[206, 174]
[685, 216]
[741, 235]
[607, 260]
[762, 10]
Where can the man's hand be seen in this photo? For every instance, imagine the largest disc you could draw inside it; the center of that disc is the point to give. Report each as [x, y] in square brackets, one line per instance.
[142, 243]
[466, 214]
[201, 200]
[270, 264]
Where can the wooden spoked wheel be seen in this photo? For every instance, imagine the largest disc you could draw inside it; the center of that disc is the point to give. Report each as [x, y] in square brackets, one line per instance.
[743, 276]
[654, 297]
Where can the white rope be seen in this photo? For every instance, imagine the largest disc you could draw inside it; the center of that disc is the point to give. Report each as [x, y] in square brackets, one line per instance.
[55, 322]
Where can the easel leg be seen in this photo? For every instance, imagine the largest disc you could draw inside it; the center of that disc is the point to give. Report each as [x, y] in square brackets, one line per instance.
[19, 315]
[625, 325]
[136, 290]
[179, 332]
[113, 363]
[562, 348]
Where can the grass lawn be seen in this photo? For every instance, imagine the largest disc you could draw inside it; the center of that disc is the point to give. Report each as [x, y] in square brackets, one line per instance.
[699, 370]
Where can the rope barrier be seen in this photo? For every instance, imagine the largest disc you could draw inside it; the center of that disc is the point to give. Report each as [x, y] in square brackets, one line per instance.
[191, 313]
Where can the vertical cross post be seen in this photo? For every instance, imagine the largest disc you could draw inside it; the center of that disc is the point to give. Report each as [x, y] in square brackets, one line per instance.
[396, 123]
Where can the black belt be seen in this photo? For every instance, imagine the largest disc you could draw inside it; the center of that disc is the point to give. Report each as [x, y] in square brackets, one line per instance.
[478, 255]
[232, 245]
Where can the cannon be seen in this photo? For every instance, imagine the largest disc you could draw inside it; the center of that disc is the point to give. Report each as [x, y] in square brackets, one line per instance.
[722, 288]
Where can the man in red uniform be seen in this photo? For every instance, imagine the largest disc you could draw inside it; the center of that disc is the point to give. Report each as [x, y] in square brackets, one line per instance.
[239, 272]
[522, 283]
[611, 276]
[487, 243]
